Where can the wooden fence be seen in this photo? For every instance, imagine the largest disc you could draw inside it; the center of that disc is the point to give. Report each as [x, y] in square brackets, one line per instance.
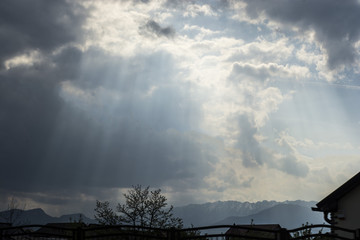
[220, 232]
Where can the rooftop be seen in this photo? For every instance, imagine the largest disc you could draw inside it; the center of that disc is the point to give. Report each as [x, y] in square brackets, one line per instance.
[330, 203]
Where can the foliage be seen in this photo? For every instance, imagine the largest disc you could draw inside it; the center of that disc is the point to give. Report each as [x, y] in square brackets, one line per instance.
[104, 214]
[142, 207]
[305, 234]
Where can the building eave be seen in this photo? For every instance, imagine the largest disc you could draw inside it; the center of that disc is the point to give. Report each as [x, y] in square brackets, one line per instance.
[330, 203]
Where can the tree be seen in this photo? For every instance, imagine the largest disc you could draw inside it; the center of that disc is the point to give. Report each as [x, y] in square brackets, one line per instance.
[104, 214]
[142, 207]
[13, 213]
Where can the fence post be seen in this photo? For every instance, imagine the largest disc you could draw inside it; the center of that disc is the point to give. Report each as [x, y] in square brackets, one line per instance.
[79, 234]
[357, 234]
[283, 234]
[171, 234]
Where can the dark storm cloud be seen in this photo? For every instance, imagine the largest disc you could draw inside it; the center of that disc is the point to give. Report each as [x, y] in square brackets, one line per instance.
[76, 157]
[56, 146]
[335, 23]
[40, 24]
[138, 139]
[29, 109]
[52, 147]
[29, 102]
[155, 28]
[141, 134]
[29, 96]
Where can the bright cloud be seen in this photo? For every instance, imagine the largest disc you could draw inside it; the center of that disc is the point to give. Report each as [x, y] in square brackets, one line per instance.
[231, 100]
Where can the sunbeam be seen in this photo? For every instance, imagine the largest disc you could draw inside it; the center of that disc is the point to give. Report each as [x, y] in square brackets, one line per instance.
[207, 100]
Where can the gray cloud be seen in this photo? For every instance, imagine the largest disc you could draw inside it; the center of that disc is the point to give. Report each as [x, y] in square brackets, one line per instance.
[178, 3]
[260, 73]
[292, 166]
[38, 24]
[75, 147]
[55, 145]
[247, 183]
[153, 27]
[254, 153]
[142, 1]
[29, 94]
[335, 23]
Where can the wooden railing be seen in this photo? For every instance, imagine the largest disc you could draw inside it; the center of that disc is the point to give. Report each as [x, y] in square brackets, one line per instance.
[219, 232]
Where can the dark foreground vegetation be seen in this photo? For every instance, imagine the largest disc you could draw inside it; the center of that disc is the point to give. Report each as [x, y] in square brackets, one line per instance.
[80, 231]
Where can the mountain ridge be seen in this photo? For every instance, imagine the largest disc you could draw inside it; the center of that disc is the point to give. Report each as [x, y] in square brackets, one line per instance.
[278, 214]
[206, 214]
[211, 213]
[39, 216]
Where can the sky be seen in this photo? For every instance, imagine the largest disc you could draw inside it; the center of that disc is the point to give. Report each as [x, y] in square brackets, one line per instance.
[214, 100]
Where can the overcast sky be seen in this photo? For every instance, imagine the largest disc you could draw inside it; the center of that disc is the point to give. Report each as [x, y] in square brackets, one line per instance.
[214, 100]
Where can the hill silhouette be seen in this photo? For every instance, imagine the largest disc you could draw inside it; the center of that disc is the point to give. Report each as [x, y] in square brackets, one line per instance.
[287, 215]
[38, 216]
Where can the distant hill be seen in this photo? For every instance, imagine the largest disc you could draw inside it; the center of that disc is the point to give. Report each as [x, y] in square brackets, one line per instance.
[287, 215]
[219, 212]
[38, 216]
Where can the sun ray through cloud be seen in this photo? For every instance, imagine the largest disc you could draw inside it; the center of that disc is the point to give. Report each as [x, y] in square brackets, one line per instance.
[207, 100]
